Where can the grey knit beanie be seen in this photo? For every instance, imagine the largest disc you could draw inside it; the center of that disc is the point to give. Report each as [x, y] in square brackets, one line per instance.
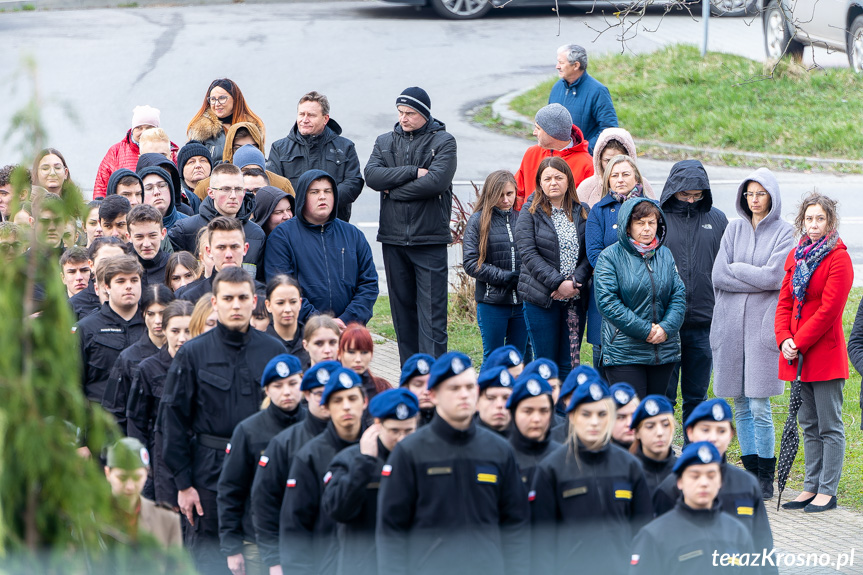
[556, 121]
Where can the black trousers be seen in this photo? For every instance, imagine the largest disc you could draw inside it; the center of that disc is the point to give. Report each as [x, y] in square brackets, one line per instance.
[417, 285]
[202, 538]
[646, 379]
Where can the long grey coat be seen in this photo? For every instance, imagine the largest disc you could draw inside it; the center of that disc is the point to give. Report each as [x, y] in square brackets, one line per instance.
[747, 275]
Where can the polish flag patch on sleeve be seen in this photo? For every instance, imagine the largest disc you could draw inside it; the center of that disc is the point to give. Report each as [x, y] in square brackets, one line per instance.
[291, 483]
[531, 495]
[228, 449]
[263, 461]
[327, 477]
[634, 560]
[387, 470]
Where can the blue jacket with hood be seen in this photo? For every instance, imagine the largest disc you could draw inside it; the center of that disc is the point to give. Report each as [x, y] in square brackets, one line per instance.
[332, 262]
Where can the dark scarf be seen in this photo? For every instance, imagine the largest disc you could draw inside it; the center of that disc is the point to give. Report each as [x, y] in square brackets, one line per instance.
[635, 192]
[807, 257]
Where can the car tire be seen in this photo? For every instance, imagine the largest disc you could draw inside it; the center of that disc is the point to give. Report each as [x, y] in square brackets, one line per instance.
[855, 45]
[461, 9]
[733, 7]
[778, 40]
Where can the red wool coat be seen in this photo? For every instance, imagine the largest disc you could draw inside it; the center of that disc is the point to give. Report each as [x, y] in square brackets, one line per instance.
[818, 334]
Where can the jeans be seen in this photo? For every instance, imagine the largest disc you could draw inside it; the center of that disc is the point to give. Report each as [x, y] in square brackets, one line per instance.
[755, 426]
[693, 371]
[549, 334]
[501, 324]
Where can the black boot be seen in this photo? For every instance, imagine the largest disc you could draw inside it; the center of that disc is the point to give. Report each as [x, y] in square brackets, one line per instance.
[766, 471]
[750, 463]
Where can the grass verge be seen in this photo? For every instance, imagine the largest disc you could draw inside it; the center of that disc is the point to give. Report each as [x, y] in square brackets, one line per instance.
[464, 336]
[727, 103]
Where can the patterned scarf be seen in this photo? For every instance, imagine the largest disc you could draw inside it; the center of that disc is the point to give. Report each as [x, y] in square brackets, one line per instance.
[635, 192]
[807, 257]
[646, 251]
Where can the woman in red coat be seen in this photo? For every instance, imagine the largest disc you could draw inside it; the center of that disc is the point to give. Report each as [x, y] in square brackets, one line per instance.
[818, 276]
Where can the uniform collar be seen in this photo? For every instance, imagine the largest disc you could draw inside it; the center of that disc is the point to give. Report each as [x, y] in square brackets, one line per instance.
[653, 464]
[450, 434]
[110, 313]
[524, 445]
[285, 418]
[699, 515]
[234, 338]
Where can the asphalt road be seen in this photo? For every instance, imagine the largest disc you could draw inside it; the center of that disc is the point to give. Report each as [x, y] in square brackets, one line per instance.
[94, 66]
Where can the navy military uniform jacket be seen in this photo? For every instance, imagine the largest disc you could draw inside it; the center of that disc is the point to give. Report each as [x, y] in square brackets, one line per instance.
[586, 513]
[103, 336]
[120, 379]
[244, 456]
[529, 453]
[655, 472]
[740, 496]
[684, 540]
[307, 543]
[351, 499]
[213, 384]
[268, 487]
[451, 501]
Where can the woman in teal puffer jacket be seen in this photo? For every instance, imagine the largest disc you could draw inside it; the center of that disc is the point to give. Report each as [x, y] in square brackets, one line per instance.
[642, 301]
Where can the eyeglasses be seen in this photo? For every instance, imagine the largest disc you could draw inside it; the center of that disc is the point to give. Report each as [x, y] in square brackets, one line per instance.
[58, 169]
[162, 186]
[218, 100]
[688, 196]
[750, 195]
[228, 190]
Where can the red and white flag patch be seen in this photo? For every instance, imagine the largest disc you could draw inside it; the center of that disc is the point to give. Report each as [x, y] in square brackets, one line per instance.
[327, 477]
[263, 461]
[531, 495]
[385, 472]
[228, 449]
[634, 560]
[292, 483]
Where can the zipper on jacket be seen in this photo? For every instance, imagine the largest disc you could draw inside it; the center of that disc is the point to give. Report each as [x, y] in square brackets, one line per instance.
[653, 304]
[343, 264]
[327, 267]
[511, 257]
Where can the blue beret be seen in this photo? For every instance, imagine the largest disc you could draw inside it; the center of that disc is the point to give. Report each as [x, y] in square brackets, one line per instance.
[394, 404]
[698, 453]
[622, 393]
[495, 377]
[545, 368]
[650, 406]
[446, 366]
[528, 385]
[589, 392]
[418, 364]
[506, 356]
[282, 366]
[318, 375]
[576, 377]
[716, 409]
[340, 380]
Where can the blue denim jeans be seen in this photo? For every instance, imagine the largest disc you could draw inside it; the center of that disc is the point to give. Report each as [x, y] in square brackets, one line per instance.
[501, 325]
[549, 334]
[755, 426]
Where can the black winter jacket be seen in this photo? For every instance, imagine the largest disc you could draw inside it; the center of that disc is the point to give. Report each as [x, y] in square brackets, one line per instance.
[85, 302]
[154, 269]
[694, 233]
[655, 471]
[184, 233]
[122, 374]
[295, 154]
[496, 279]
[529, 453]
[213, 384]
[414, 211]
[294, 346]
[540, 256]
[245, 456]
[268, 488]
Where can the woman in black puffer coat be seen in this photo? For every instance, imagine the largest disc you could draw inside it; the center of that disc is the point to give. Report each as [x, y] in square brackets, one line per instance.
[491, 256]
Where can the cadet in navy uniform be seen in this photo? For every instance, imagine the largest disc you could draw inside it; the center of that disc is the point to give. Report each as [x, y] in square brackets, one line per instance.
[694, 536]
[579, 375]
[281, 383]
[414, 378]
[531, 406]
[740, 493]
[625, 402]
[212, 386]
[547, 370]
[351, 494]
[495, 387]
[590, 497]
[307, 541]
[268, 488]
[451, 499]
[653, 425]
[506, 356]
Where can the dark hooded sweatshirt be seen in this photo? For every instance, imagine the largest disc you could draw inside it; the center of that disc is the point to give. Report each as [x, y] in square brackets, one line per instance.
[332, 262]
[694, 233]
[266, 201]
[118, 175]
[177, 210]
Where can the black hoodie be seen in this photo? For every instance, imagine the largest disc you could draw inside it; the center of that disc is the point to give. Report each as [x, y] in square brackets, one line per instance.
[694, 233]
[115, 178]
[158, 160]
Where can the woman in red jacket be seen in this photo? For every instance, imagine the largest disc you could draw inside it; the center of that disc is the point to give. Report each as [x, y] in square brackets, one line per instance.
[818, 276]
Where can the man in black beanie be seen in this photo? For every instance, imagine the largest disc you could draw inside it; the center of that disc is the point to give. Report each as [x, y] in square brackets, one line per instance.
[195, 165]
[413, 167]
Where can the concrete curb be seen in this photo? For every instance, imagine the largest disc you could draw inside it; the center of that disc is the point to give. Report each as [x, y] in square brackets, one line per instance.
[509, 117]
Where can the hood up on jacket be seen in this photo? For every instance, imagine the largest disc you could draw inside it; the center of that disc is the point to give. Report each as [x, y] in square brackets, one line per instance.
[768, 181]
[171, 215]
[619, 135]
[303, 186]
[160, 161]
[624, 217]
[118, 175]
[254, 131]
[687, 175]
[265, 203]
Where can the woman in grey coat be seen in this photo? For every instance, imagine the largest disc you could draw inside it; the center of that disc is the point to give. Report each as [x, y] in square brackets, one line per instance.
[747, 275]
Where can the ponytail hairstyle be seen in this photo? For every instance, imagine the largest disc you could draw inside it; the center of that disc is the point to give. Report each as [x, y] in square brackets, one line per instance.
[155, 293]
[282, 280]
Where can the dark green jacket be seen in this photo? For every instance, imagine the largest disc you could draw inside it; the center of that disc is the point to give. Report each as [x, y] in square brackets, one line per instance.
[632, 293]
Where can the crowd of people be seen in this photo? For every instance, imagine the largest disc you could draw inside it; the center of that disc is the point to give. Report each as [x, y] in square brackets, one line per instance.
[221, 299]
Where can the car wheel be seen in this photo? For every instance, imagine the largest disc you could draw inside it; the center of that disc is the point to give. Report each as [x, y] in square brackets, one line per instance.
[461, 9]
[777, 37]
[733, 7]
[855, 45]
